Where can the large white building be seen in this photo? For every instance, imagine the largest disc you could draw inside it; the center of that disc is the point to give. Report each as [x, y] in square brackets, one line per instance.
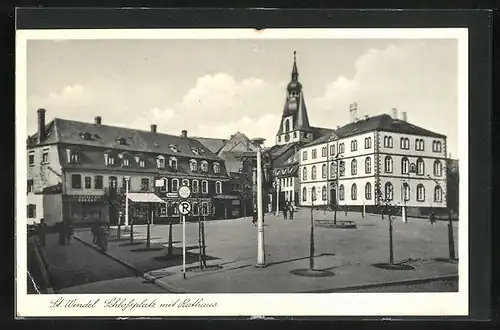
[378, 159]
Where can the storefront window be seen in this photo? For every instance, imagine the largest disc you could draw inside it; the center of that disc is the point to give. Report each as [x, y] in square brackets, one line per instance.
[98, 182]
[144, 184]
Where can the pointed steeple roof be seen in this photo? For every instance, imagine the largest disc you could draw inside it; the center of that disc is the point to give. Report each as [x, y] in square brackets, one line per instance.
[295, 72]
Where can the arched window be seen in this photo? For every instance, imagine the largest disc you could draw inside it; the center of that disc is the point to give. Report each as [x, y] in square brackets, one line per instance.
[354, 167]
[419, 144]
[332, 150]
[323, 171]
[204, 166]
[354, 145]
[405, 165]
[173, 163]
[420, 193]
[341, 168]
[388, 164]
[368, 191]
[341, 148]
[196, 209]
[368, 165]
[420, 166]
[216, 168]
[304, 194]
[185, 182]
[175, 185]
[195, 186]
[204, 187]
[323, 193]
[438, 194]
[341, 192]
[388, 141]
[405, 143]
[193, 165]
[164, 186]
[218, 187]
[333, 170]
[354, 192]
[287, 125]
[406, 191]
[304, 174]
[438, 169]
[368, 143]
[389, 191]
[436, 146]
[313, 172]
[313, 194]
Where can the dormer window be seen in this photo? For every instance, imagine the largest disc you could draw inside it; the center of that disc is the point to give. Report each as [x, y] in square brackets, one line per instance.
[140, 160]
[86, 136]
[216, 168]
[195, 151]
[109, 159]
[160, 161]
[125, 159]
[121, 141]
[193, 165]
[204, 166]
[73, 156]
[173, 163]
[173, 148]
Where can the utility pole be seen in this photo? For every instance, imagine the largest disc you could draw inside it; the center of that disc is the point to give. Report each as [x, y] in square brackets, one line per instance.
[261, 258]
[127, 183]
[311, 239]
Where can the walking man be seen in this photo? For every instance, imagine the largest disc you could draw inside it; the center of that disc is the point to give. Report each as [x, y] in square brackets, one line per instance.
[291, 210]
[285, 210]
[42, 232]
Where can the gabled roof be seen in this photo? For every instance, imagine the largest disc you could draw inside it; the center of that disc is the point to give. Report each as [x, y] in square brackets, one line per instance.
[384, 123]
[104, 136]
[322, 139]
[213, 144]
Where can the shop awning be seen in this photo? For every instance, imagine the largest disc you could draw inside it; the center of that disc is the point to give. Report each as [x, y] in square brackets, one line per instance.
[226, 197]
[144, 198]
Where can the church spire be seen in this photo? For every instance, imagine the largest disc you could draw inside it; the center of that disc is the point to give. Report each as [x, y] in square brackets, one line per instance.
[295, 73]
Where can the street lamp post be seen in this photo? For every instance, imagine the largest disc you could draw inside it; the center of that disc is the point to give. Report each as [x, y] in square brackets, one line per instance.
[261, 258]
[337, 182]
[127, 182]
[277, 197]
[311, 239]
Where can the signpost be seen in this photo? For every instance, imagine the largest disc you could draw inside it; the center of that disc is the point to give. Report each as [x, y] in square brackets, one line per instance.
[184, 209]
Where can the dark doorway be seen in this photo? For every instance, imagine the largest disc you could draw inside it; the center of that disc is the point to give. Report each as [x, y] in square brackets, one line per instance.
[333, 197]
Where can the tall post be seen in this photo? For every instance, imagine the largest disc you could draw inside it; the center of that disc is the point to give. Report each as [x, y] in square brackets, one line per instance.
[170, 243]
[277, 197]
[364, 209]
[391, 250]
[261, 258]
[311, 239]
[451, 239]
[184, 246]
[127, 180]
[148, 237]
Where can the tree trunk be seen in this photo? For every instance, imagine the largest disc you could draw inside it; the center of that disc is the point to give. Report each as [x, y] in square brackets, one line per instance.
[391, 249]
[204, 255]
[311, 243]
[170, 243]
[451, 239]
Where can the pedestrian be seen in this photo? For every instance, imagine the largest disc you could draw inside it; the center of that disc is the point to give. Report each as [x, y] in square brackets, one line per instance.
[94, 229]
[42, 232]
[62, 233]
[291, 209]
[432, 218]
[285, 210]
[69, 231]
[254, 215]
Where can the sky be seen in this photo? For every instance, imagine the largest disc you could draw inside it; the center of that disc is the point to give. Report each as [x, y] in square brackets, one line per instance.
[213, 88]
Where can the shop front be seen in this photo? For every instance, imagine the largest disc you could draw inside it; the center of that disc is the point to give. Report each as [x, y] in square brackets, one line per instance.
[146, 207]
[227, 207]
[83, 210]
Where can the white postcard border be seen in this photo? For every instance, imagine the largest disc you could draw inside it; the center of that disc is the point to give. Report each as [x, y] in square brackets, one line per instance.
[323, 304]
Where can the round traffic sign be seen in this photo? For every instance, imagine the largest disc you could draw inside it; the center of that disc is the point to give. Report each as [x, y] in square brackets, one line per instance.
[184, 207]
[184, 192]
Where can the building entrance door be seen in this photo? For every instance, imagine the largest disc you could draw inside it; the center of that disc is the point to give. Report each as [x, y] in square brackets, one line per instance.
[333, 197]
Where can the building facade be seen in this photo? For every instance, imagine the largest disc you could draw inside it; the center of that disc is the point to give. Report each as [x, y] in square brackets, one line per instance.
[80, 172]
[373, 160]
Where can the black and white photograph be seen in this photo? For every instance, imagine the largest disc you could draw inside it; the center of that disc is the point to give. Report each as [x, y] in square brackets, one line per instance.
[234, 172]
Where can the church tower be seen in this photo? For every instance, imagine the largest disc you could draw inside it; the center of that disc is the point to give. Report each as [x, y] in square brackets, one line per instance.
[294, 126]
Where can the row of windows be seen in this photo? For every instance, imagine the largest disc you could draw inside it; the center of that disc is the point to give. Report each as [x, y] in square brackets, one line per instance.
[419, 144]
[286, 182]
[173, 209]
[389, 192]
[111, 160]
[405, 168]
[76, 183]
[388, 143]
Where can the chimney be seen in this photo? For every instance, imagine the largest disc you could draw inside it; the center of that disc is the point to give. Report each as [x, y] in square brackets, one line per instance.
[404, 116]
[394, 113]
[153, 128]
[353, 111]
[98, 120]
[184, 133]
[41, 125]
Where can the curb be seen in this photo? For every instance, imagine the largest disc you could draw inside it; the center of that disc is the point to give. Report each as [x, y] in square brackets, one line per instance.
[384, 284]
[45, 268]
